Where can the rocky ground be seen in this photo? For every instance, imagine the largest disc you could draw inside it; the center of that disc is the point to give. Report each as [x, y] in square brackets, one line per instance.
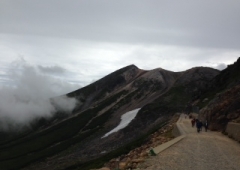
[140, 154]
[224, 108]
[199, 151]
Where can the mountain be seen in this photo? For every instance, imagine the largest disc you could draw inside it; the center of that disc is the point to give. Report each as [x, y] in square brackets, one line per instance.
[221, 102]
[75, 141]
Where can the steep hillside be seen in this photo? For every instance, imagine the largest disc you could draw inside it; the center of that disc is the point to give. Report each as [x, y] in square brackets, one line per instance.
[104, 87]
[73, 141]
[222, 100]
[178, 97]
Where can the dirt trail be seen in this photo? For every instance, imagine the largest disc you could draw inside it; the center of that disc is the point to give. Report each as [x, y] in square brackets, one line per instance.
[198, 151]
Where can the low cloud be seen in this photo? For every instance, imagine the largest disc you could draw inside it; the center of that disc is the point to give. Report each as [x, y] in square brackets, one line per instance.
[64, 103]
[52, 69]
[29, 97]
[221, 66]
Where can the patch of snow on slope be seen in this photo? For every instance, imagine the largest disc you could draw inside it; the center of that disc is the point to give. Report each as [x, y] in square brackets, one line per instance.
[126, 119]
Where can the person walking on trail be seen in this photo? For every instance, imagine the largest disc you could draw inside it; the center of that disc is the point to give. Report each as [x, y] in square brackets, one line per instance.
[193, 122]
[199, 125]
[206, 126]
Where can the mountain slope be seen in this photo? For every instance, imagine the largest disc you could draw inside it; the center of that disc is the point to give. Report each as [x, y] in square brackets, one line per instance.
[77, 139]
[222, 100]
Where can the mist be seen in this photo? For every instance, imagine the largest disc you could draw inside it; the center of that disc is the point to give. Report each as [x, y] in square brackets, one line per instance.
[221, 66]
[32, 94]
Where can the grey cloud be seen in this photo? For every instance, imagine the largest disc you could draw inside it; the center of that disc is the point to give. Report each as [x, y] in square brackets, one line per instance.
[30, 98]
[52, 69]
[186, 23]
[221, 66]
[64, 103]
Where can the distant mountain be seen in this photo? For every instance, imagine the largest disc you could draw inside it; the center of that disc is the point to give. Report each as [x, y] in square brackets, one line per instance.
[73, 141]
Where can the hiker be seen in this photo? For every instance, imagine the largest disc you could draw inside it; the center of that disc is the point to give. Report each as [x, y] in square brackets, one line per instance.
[193, 122]
[206, 125]
[199, 125]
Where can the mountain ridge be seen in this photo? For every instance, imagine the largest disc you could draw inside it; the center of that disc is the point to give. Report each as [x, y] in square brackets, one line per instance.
[159, 93]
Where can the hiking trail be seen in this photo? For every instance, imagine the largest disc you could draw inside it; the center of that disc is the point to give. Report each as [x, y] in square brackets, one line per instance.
[198, 151]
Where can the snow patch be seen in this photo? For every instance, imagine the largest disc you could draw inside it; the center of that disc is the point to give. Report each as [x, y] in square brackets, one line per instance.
[125, 120]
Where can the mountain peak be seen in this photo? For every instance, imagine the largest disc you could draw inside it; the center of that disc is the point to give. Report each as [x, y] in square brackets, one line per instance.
[131, 66]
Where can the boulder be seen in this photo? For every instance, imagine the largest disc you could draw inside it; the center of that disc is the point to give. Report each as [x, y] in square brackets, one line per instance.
[122, 165]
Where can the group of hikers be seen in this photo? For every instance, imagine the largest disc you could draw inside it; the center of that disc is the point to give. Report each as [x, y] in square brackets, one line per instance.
[199, 124]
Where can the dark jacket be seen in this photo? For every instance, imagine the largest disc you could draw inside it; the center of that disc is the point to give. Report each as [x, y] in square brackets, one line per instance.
[199, 124]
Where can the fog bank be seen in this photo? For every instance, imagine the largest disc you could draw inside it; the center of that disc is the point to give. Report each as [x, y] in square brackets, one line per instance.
[28, 96]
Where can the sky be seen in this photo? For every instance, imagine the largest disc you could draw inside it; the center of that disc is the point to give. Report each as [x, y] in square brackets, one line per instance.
[49, 48]
[80, 41]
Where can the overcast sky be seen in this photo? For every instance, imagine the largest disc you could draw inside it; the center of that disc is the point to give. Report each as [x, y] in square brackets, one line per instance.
[80, 41]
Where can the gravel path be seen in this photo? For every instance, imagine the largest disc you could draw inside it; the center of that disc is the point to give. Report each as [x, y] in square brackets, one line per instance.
[197, 151]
